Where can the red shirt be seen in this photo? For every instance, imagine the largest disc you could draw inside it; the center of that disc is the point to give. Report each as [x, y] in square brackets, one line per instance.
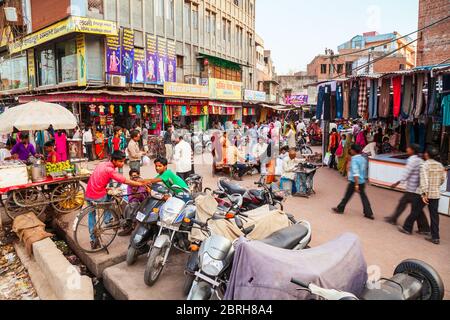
[103, 174]
[116, 144]
[50, 157]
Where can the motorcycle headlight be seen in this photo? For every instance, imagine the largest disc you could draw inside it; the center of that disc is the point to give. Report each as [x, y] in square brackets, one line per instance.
[167, 217]
[211, 267]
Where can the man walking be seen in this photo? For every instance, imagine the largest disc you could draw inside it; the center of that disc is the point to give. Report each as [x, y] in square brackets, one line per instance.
[168, 144]
[357, 183]
[411, 178]
[182, 156]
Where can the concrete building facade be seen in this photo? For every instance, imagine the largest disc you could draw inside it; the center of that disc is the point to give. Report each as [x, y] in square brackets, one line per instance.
[434, 43]
[295, 84]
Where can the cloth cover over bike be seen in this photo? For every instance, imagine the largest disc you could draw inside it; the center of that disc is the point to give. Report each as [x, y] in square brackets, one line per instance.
[262, 272]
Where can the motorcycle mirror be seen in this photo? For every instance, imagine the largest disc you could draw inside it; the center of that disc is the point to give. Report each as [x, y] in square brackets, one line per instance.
[239, 222]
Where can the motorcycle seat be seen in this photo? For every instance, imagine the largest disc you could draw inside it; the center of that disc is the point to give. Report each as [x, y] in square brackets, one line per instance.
[287, 238]
[231, 188]
[259, 194]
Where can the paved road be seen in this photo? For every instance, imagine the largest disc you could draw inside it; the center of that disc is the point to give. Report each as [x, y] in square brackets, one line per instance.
[383, 245]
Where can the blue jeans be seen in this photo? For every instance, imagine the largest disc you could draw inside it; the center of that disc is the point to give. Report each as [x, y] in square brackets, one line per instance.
[294, 188]
[92, 219]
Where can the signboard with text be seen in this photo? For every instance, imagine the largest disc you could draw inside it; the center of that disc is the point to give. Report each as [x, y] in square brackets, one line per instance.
[297, 99]
[251, 95]
[224, 89]
[185, 90]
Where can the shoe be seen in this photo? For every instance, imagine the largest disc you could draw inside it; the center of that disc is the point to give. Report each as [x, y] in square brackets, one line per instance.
[423, 233]
[95, 244]
[390, 221]
[370, 217]
[337, 211]
[126, 231]
[433, 241]
[402, 230]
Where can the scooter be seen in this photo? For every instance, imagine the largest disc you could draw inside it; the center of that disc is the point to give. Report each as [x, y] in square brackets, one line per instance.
[412, 280]
[147, 217]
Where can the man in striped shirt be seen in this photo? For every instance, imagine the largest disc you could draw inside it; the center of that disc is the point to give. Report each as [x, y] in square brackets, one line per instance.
[411, 178]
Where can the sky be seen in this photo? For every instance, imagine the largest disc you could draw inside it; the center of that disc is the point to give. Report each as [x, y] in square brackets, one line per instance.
[298, 30]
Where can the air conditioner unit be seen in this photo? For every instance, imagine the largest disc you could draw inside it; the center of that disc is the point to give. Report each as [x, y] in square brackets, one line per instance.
[193, 80]
[117, 81]
[11, 14]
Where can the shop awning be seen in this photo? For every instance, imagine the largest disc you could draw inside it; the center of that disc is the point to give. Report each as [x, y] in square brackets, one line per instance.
[280, 107]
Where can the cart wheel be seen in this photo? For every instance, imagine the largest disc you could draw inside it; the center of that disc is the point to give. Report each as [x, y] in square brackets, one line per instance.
[23, 201]
[67, 198]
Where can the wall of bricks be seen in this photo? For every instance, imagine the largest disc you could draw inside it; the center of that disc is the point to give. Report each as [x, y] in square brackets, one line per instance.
[434, 43]
[45, 13]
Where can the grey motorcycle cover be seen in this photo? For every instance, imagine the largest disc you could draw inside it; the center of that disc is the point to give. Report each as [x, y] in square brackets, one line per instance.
[262, 272]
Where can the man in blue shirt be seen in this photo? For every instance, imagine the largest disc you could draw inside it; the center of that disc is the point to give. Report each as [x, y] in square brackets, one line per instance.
[357, 178]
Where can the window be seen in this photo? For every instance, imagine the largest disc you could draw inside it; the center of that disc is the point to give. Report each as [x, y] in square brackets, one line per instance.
[224, 28]
[124, 12]
[180, 62]
[213, 23]
[95, 6]
[340, 68]
[170, 10]
[160, 8]
[323, 68]
[229, 32]
[13, 73]
[195, 17]
[236, 2]
[187, 15]
[46, 66]
[402, 67]
[66, 61]
[208, 22]
[348, 68]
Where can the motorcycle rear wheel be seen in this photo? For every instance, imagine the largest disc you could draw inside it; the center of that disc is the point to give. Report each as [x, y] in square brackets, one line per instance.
[433, 286]
[154, 265]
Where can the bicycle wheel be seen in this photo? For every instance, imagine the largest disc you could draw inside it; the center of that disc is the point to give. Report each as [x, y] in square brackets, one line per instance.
[305, 150]
[23, 201]
[106, 225]
[67, 198]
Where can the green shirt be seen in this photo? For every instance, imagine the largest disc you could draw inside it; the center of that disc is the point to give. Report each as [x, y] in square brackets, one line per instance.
[169, 178]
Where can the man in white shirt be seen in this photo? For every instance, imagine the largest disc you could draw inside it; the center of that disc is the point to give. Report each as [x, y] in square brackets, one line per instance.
[5, 151]
[301, 126]
[290, 164]
[183, 157]
[278, 123]
[87, 142]
[260, 155]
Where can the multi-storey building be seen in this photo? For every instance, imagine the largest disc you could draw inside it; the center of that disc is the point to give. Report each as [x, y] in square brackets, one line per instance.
[352, 59]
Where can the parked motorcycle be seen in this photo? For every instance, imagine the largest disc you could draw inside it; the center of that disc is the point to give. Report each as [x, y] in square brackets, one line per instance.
[147, 217]
[202, 142]
[412, 280]
[254, 198]
[173, 232]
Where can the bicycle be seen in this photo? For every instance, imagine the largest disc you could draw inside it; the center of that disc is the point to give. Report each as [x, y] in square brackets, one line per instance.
[108, 219]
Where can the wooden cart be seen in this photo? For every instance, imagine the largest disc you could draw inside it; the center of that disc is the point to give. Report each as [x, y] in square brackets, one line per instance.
[64, 195]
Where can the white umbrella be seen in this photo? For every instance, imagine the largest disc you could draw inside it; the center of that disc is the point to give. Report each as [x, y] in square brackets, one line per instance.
[37, 115]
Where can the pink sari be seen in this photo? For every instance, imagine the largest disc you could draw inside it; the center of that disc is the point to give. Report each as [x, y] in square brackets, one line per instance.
[61, 146]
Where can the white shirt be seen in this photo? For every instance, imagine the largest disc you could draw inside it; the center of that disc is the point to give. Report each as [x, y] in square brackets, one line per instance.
[183, 157]
[87, 137]
[259, 150]
[4, 153]
[278, 124]
[370, 149]
[301, 126]
[289, 166]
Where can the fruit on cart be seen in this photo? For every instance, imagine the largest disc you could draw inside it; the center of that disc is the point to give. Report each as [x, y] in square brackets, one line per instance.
[59, 167]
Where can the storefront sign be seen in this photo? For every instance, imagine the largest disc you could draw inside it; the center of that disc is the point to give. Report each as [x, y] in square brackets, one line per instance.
[152, 60]
[171, 61]
[250, 95]
[139, 65]
[297, 99]
[81, 60]
[162, 61]
[185, 90]
[128, 54]
[224, 89]
[70, 25]
[31, 69]
[113, 56]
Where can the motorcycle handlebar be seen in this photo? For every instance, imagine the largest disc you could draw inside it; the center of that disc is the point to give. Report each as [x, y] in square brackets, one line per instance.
[300, 283]
[243, 215]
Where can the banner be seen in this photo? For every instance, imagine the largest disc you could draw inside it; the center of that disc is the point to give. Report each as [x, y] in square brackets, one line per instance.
[250, 95]
[139, 65]
[185, 90]
[172, 61]
[128, 54]
[297, 99]
[70, 25]
[113, 55]
[224, 89]
[31, 69]
[81, 60]
[162, 61]
[152, 60]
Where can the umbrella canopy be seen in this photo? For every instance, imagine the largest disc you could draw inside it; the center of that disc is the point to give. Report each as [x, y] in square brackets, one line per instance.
[37, 115]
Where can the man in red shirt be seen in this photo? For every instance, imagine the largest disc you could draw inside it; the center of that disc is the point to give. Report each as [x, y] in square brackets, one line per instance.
[96, 190]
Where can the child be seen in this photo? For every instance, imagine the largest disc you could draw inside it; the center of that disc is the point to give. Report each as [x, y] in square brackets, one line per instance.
[168, 177]
[136, 195]
[52, 155]
[386, 147]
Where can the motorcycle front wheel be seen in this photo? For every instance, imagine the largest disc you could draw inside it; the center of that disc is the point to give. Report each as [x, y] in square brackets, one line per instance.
[188, 281]
[132, 256]
[155, 265]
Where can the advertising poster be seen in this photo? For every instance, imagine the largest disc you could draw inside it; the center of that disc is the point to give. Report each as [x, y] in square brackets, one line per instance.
[162, 61]
[113, 56]
[128, 54]
[139, 65]
[297, 99]
[81, 58]
[172, 61]
[152, 60]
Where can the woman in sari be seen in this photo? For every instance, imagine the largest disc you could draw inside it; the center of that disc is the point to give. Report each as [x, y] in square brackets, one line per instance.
[343, 157]
[99, 145]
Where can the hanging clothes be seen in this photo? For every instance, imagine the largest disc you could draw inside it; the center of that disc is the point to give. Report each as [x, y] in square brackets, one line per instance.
[362, 99]
[339, 102]
[319, 108]
[346, 101]
[327, 103]
[373, 100]
[333, 105]
[445, 105]
[407, 97]
[354, 101]
[432, 95]
[383, 110]
[403, 140]
[420, 80]
[397, 84]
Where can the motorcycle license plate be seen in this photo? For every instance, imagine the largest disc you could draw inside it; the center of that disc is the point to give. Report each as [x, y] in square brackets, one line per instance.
[140, 217]
[207, 279]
